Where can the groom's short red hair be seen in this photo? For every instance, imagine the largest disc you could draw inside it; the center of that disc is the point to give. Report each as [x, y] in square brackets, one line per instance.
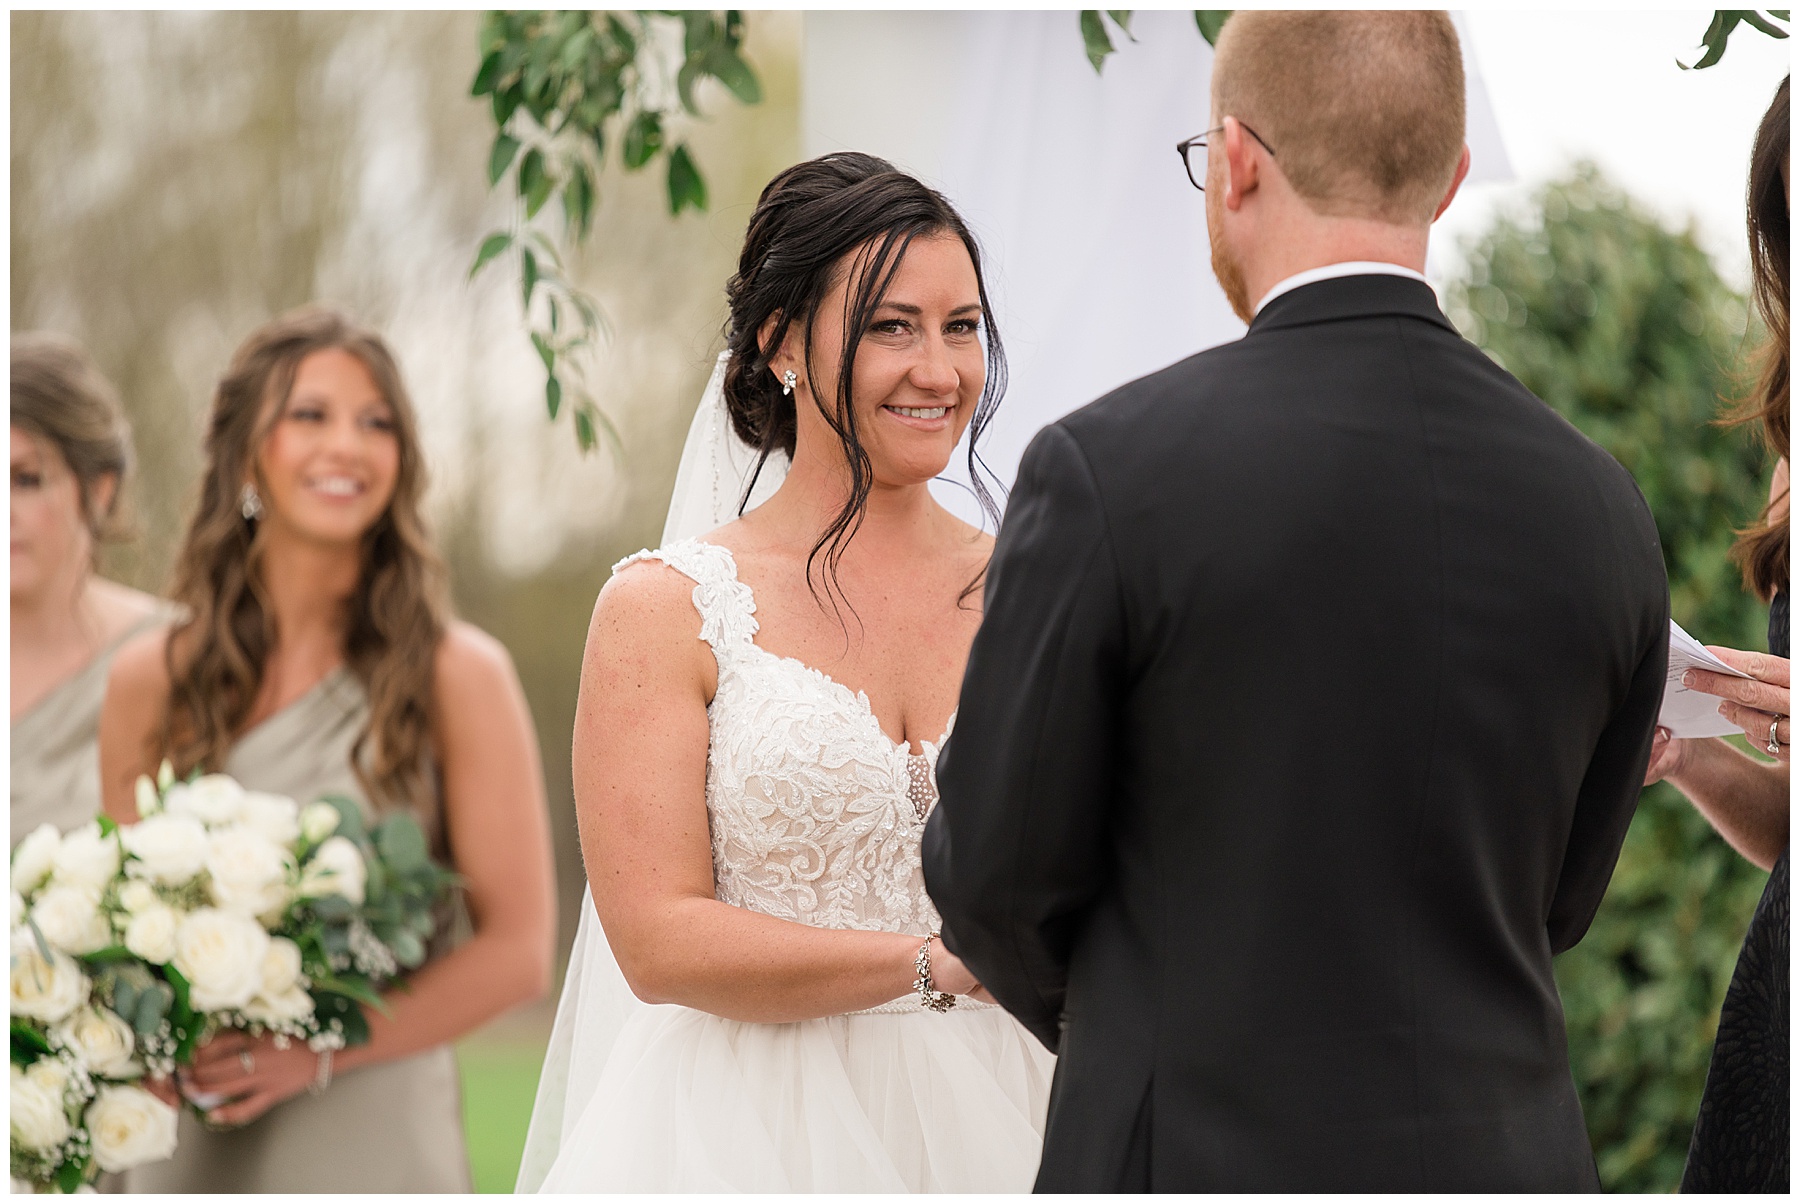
[1364, 109]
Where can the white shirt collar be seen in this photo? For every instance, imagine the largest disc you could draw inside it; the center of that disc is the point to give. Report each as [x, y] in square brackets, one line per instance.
[1331, 271]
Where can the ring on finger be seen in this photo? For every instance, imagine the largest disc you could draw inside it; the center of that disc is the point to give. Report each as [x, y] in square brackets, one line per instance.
[247, 1060]
[1774, 743]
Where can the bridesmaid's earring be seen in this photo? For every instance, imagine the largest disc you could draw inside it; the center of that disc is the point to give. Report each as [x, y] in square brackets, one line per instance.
[788, 381]
[249, 504]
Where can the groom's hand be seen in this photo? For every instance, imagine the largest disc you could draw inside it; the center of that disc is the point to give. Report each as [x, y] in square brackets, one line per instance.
[1666, 756]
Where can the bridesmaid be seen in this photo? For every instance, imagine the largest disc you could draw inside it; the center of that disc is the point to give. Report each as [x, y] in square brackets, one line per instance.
[71, 451]
[320, 657]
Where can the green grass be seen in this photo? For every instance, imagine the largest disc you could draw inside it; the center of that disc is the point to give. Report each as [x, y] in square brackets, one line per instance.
[499, 1083]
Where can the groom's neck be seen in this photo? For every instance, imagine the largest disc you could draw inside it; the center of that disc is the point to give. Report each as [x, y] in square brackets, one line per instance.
[1300, 240]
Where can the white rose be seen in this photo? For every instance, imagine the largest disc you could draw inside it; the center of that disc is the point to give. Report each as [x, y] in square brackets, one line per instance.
[335, 869]
[249, 872]
[151, 934]
[35, 857]
[214, 800]
[170, 849]
[22, 1187]
[319, 820]
[38, 1119]
[86, 859]
[221, 954]
[106, 1045]
[285, 1007]
[44, 990]
[281, 966]
[51, 1075]
[70, 919]
[144, 790]
[137, 895]
[129, 1127]
[276, 816]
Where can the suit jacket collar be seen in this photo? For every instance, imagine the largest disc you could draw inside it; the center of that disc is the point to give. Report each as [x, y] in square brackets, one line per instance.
[1345, 297]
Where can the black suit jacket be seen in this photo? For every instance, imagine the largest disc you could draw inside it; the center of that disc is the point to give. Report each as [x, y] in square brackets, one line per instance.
[1310, 707]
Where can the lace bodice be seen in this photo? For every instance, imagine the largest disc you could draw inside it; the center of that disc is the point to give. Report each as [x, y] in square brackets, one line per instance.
[815, 813]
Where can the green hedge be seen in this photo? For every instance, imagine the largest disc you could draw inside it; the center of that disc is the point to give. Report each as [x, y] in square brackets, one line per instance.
[1625, 327]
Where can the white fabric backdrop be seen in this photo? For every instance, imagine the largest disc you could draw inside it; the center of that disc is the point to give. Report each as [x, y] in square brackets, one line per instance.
[1097, 259]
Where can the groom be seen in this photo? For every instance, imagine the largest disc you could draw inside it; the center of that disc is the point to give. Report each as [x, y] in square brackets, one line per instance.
[1315, 688]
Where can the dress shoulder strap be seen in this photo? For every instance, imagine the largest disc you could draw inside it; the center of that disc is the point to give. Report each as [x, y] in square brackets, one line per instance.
[727, 607]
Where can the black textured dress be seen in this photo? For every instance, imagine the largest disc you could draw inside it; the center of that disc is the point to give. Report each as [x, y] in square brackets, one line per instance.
[1741, 1136]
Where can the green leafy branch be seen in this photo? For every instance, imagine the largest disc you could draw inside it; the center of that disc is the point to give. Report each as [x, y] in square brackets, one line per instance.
[1724, 21]
[562, 85]
[1098, 42]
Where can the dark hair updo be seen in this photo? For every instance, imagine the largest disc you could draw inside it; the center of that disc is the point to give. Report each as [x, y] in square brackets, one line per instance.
[809, 218]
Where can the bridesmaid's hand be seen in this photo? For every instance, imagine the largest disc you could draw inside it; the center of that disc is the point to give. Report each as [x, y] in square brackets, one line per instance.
[250, 1073]
[1752, 705]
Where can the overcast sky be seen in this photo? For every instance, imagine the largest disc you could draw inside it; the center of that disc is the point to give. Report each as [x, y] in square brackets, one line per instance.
[1604, 85]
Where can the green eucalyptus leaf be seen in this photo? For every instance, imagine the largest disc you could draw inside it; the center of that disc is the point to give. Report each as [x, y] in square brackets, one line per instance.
[692, 68]
[1755, 21]
[501, 156]
[124, 997]
[506, 102]
[553, 396]
[400, 840]
[686, 188]
[1122, 18]
[350, 816]
[333, 909]
[1210, 22]
[584, 430]
[643, 138]
[624, 37]
[350, 986]
[72, 1174]
[528, 275]
[108, 825]
[1094, 38]
[548, 355]
[409, 951]
[732, 71]
[578, 202]
[151, 1007]
[27, 1042]
[487, 75]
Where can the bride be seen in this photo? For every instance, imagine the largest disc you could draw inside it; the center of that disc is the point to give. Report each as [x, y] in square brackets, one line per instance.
[760, 718]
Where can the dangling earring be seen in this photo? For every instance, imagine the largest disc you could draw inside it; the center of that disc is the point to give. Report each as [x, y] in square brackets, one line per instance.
[788, 381]
[250, 504]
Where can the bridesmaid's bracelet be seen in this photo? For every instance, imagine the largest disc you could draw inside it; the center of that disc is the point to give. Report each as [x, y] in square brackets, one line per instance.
[929, 996]
[322, 1078]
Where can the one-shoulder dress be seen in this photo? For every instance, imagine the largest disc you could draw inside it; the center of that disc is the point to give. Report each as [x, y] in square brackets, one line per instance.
[391, 1127]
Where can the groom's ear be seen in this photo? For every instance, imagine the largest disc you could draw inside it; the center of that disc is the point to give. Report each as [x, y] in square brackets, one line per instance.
[1242, 164]
[1456, 181]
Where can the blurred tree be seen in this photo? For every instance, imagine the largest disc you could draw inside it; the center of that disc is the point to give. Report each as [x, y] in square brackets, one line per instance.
[1627, 330]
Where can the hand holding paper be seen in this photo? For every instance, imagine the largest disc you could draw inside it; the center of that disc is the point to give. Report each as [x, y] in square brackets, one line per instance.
[1688, 713]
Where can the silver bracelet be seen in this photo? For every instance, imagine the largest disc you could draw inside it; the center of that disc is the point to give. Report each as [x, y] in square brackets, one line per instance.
[322, 1077]
[930, 997]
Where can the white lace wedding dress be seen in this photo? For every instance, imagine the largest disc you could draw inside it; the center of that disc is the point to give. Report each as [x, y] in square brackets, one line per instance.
[815, 817]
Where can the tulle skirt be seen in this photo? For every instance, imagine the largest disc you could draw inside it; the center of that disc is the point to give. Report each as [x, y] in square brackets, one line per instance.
[898, 1101]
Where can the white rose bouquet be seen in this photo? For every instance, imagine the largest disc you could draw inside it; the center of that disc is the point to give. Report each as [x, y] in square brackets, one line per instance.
[220, 908]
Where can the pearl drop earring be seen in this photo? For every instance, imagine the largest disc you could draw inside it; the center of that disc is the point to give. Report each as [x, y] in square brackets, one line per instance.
[788, 381]
[249, 504]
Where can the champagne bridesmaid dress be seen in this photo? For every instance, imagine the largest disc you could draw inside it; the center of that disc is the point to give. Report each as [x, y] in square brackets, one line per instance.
[393, 1127]
[56, 749]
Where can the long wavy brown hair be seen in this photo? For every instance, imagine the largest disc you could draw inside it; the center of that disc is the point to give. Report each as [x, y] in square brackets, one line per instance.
[396, 616]
[1762, 548]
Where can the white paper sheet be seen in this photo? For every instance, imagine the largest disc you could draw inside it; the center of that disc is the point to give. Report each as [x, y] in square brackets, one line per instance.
[1687, 713]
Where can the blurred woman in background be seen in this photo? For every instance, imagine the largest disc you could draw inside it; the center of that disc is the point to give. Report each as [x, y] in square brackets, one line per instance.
[1740, 1140]
[318, 656]
[71, 452]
